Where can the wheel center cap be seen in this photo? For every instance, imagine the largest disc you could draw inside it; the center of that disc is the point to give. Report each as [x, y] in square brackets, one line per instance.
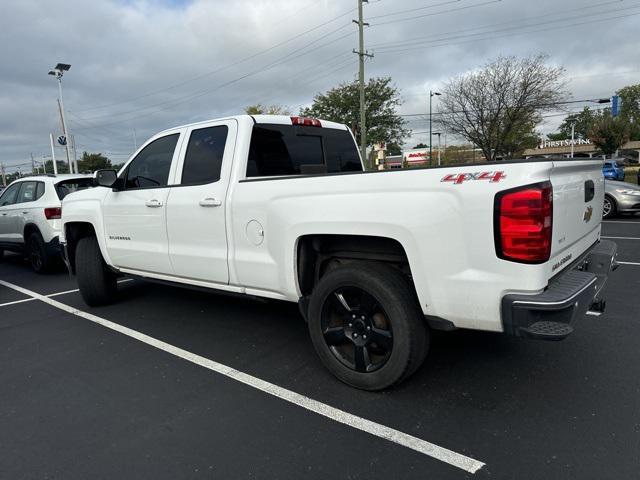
[359, 327]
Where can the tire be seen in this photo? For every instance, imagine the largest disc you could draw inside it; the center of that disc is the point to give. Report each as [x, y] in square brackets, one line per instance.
[37, 254]
[368, 301]
[96, 282]
[1, 255]
[609, 209]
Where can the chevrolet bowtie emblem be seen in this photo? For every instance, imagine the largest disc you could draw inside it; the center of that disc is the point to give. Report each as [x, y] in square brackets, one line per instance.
[588, 214]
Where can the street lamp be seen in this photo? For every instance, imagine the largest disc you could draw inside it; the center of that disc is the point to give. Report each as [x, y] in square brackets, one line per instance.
[431, 95]
[439, 150]
[58, 73]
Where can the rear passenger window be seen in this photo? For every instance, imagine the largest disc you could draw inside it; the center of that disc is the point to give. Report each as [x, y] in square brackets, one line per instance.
[152, 165]
[39, 190]
[203, 160]
[28, 192]
[281, 150]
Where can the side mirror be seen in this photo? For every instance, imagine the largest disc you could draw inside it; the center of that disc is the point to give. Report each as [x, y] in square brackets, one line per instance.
[105, 178]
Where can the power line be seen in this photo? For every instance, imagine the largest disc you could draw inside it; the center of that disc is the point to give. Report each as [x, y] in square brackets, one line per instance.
[451, 10]
[226, 67]
[435, 43]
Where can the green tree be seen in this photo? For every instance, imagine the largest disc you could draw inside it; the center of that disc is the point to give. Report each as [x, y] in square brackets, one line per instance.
[394, 149]
[421, 145]
[259, 109]
[342, 104]
[90, 162]
[630, 110]
[491, 106]
[609, 133]
[584, 122]
[63, 167]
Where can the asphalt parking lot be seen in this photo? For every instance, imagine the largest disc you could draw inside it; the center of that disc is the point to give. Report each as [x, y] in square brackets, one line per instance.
[172, 383]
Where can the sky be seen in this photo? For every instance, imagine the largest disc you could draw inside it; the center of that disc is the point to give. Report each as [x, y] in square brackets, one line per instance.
[141, 66]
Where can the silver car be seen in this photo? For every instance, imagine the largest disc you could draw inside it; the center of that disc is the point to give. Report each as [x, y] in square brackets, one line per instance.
[620, 197]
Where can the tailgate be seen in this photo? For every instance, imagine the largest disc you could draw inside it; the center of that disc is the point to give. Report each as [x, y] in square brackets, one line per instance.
[578, 195]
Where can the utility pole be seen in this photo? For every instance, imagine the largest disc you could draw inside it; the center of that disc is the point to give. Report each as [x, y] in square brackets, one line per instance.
[4, 178]
[33, 164]
[64, 132]
[362, 53]
[53, 155]
[431, 95]
[58, 73]
[573, 138]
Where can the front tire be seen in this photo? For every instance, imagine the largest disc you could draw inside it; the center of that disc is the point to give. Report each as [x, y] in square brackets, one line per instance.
[367, 326]
[609, 208]
[39, 259]
[96, 281]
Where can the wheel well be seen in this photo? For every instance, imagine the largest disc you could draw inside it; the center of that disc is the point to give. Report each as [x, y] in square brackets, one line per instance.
[29, 228]
[74, 231]
[319, 254]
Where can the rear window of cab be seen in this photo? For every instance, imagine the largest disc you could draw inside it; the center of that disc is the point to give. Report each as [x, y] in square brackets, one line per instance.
[284, 150]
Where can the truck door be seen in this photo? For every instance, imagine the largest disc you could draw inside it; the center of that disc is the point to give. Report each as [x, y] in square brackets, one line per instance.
[135, 214]
[196, 210]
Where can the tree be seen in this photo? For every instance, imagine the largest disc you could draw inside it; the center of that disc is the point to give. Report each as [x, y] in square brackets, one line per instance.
[609, 133]
[342, 104]
[584, 122]
[506, 98]
[259, 109]
[630, 110]
[421, 145]
[90, 162]
[394, 149]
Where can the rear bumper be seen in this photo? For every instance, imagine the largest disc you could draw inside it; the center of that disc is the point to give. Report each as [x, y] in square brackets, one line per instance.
[570, 295]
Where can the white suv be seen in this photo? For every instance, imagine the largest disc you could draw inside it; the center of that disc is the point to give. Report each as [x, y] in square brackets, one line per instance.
[30, 212]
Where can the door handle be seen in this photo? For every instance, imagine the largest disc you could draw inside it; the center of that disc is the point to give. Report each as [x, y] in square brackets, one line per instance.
[210, 202]
[153, 203]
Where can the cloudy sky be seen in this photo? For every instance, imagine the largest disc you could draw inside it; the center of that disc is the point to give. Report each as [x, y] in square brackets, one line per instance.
[141, 66]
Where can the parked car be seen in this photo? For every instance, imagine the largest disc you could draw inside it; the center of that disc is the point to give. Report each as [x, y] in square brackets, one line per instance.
[613, 170]
[30, 212]
[620, 197]
[279, 207]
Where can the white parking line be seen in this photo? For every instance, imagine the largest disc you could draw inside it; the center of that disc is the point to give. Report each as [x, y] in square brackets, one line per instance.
[381, 431]
[31, 299]
[621, 238]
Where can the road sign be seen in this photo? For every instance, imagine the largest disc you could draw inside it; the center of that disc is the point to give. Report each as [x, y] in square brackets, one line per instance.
[615, 105]
[62, 140]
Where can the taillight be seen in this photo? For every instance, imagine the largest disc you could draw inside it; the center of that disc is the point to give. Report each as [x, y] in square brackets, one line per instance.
[306, 122]
[53, 213]
[523, 222]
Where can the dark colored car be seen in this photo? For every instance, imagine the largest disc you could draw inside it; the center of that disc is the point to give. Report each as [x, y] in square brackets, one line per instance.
[613, 170]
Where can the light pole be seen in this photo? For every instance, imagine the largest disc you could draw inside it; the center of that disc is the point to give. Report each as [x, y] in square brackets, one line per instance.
[58, 72]
[431, 95]
[439, 135]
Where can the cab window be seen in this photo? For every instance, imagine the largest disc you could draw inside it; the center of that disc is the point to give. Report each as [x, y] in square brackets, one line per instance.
[150, 168]
[203, 160]
[9, 195]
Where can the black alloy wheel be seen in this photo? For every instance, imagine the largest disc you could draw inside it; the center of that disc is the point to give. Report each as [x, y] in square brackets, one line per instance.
[356, 329]
[366, 325]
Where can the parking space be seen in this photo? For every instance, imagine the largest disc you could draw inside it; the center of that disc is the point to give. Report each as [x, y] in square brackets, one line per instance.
[76, 395]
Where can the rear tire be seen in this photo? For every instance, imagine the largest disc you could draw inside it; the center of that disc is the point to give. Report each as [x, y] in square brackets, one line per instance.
[367, 326]
[37, 253]
[96, 281]
[609, 209]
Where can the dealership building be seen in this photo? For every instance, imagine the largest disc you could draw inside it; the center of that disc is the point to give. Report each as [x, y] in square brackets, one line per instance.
[578, 147]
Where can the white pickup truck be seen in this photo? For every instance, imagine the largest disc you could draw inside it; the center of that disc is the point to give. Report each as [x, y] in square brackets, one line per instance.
[279, 207]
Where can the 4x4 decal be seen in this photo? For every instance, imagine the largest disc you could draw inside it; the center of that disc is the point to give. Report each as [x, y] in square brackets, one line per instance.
[458, 178]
